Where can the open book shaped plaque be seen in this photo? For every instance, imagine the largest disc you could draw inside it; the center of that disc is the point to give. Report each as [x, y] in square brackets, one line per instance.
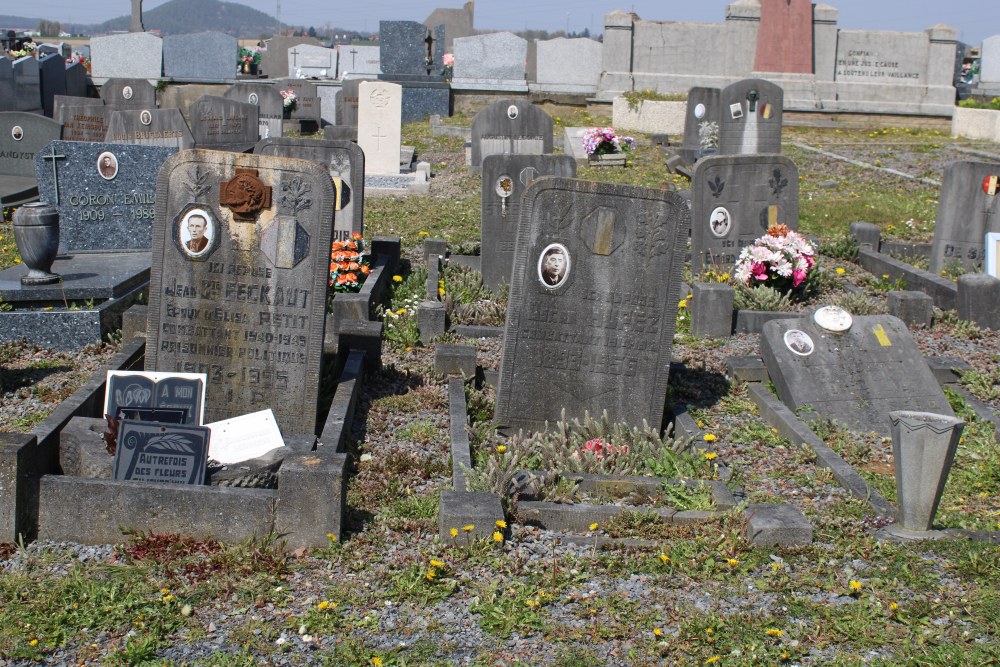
[150, 389]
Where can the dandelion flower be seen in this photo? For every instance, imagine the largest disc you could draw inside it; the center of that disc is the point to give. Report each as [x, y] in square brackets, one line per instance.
[733, 562]
[774, 632]
[893, 606]
[775, 566]
[682, 303]
[431, 573]
[664, 558]
[709, 631]
[593, 526]
[710, 455]
[377, 662]
[501, 524]
[454, 532]
[708, 437]
[497, 536]
[657, 632]
[325, 604]
[714, 659]
[468, 528]
[855, 586]
[841, 271]
[501, 449]
[436, 563]
[33, 642]
[423, 234]
[397, 278]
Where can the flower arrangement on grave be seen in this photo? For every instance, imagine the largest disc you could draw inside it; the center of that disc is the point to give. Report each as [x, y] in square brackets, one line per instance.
[605, 141]
[289, 101]
[349, 265]
[781, 259]
[448, 60]
[248, 59]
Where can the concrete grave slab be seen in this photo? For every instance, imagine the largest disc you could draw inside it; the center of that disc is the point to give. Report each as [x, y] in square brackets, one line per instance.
[510, 127]
[494, 61]
[121, 94]
[267, 99]
[751, 116]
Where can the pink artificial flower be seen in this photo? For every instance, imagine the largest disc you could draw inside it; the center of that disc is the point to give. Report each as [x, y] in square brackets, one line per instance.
[798, 276]
[759, 271]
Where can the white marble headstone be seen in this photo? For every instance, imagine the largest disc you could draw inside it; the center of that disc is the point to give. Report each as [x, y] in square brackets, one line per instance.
[380, 106]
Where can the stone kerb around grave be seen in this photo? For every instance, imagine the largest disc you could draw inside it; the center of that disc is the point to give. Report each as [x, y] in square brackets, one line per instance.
[976, 124]
[650, 116]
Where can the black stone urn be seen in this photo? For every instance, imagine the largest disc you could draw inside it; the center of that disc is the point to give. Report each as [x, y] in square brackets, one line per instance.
[36, 232]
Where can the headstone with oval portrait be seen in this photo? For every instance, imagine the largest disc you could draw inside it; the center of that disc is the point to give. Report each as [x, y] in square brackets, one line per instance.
[505, 178]
[267, 99]
[593, 303]
[122, 94]
[240, 279]
[22, 137]
[104, 193]
[513, 127]
[852, 370]
[735, 199]
[150, 127]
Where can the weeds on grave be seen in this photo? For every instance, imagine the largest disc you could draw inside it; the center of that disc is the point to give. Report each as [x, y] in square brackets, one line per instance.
[843, 246]
[882, 284]
[964, 329]
[509, 607]
[399, 315]
[760, 297]
[468, 301]
[984, 385]
[635, 98]
[859, 303]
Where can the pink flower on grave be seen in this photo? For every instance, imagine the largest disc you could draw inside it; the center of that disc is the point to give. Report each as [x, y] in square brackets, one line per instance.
[759, 271]
[448, 59]
[798, 277]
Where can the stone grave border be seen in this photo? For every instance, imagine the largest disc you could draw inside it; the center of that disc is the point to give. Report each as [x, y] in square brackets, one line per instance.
[779, 416]
[307, 506]
[776, 524]
[431, 315]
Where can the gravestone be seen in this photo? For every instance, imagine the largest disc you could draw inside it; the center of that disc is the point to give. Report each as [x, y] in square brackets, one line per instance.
[62, 48]
[593, 302]
[27, 82]
[456, 22]
[22, 137]
[359, 62]
[347, 102]
[135, 25]
[105, 193]
[412, 56]
[150, 127]
[123, 94]
[701, 124]
[345, 160]
[734, 200]
[7, 100]
[989, 59]
[505, 178]
[76, 80]
[222, 124]
[306, 61]
[201, 56]
[52, 80]
[245, 301]
[512, 127]
[269, 105]
[968, 209]
[785, 37]
[751, 117]
[135, 55]
[274, 58]
[495, 61]
[856, 377]
[308, 105]
[83, 118]
[568, 65]
[379, 113]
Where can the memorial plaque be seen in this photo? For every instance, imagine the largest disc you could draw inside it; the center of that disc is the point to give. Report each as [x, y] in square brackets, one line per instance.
[734, 200]
[968, 209]
[239, 285]
[308, 105]
[141, 389]
[105, 193]
[856, 377]
[267, 99]
[150, 127]
[122, 94]
[346, 162]
[510, 127]
[593, 303]
[751, 117]
[22, 137]
[223, 124]
[505, 178]
[83, 118]
[161, 453]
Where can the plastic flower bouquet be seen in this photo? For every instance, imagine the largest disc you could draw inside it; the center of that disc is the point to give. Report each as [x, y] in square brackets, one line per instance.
[289, 100]
[781, 259]
[604, 141]
[349, 265]
[248, 55]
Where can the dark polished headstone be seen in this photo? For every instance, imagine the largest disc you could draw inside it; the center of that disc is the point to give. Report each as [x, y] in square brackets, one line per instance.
[150, 127]
[95, 276]
[751, 117]
[404, 48]
[27, 84]
[76, 79]
[22, 137]
[512, 127]
[161, 453]
[124, 94]
[223, 124]
[593, 303]
[83, 118]
[269, 105]
[968, 209]
[7, 100]
[52, 73]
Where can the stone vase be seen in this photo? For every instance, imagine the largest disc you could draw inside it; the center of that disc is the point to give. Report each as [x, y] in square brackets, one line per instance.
[36, 232]
[923, 448]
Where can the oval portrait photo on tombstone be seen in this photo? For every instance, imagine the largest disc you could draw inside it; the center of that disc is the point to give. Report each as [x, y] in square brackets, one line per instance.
[553, 265]
[720, 222]
[799, 342]
[145, 117]
[196, 231]
[107, 165]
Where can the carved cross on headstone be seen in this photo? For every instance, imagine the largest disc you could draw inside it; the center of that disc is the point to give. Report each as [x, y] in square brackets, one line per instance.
[294, 53]
[136, 25]
[429, 58]
[55, 172]
[353, 53]
[379, 136]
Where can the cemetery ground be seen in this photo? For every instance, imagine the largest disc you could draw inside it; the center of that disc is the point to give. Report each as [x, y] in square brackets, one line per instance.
[393, 593]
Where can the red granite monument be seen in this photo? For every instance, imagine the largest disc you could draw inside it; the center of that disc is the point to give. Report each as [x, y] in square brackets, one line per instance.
[785, 37]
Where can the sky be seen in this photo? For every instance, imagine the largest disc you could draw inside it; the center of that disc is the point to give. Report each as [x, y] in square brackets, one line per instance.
[973, 19]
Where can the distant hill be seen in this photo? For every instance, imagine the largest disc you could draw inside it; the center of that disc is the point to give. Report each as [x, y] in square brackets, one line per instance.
[17, 23]
[185, 16]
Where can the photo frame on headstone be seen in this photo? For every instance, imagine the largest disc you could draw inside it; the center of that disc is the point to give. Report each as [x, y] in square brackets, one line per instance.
[153, 389]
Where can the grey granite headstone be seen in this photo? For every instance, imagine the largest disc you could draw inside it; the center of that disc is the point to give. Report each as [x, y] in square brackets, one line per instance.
[404, 48]
[7, 101]
[593, 302]
[161, 453]
[511, 127]
[308, 106]
[52, 79]
[122, 94]
[22, 137]
[62, 48]
[223, 124]
[568, 65]
[247, 304]
[269, 105]
[105, 193]
[855, 378]
[347, 102]
[307, 61]
[359, 62]
[150, 127]
[134, 55]
[76, 80]
[83, 118]
[494, 61]
[989, 68]
[701, 123]
[345, 160]
[422, 99]
[505, 178]
[966, 213]
[202, 56]
[274, 58]
[27, 84]
[751, 117]
[734, 200]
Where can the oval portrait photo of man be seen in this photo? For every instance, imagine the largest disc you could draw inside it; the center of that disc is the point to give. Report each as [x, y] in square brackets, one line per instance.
[553, 265]
[196, 231]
